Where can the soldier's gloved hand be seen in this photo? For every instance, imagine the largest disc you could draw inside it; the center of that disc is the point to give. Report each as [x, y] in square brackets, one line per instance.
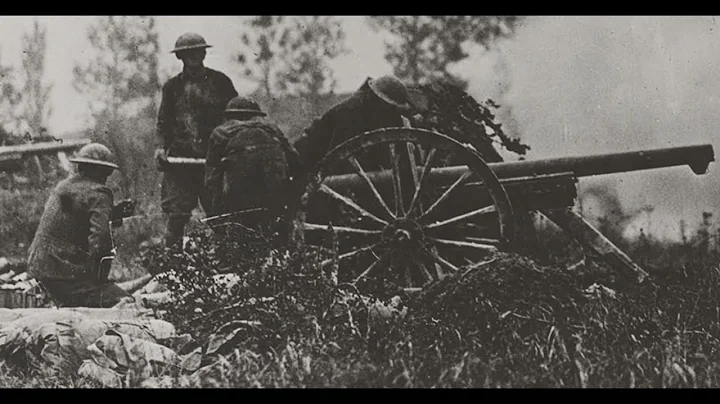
[161, 160]
[125, 208]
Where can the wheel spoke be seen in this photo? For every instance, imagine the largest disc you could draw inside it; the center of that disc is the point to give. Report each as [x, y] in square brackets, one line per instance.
[394, 158]
[483, 211]
[343, 229]
[479, 228]
[442, 261]
[458, 243]
[423, 269]
[411, 156]
[421, 182]
[350, 254]
[351, 203]
[371, 267]
[447, 193]
[408, 276]
[490, 241]
[425, 226]
[368, 181]
[427, 261]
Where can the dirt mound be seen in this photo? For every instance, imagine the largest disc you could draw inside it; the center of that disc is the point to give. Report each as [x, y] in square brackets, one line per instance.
[507, 285]
[289, 298]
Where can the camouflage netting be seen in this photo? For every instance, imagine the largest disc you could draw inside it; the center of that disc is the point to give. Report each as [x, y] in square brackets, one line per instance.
[450, 110]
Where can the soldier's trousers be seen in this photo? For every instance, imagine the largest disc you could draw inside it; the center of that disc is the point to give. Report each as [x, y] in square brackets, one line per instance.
[69, 293]
[182, 190]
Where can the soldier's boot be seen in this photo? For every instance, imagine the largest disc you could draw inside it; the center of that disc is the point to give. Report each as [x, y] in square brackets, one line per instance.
[176, 230]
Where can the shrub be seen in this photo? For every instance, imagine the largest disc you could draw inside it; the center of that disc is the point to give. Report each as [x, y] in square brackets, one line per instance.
[20, 213]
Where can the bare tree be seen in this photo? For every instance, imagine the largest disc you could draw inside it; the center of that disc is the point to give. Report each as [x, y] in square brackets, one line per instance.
[291, 55]
[424, 47]
[313, 42]
[264, 42]
[10, 97]
[122, 77]
[35, 94]
[123, 82]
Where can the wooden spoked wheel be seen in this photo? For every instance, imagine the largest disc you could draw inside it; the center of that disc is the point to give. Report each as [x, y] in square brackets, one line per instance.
[377, 202]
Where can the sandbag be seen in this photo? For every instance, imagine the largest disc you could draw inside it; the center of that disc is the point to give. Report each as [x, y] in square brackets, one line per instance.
[122, 353]
[8, 315]
[105, 376]
[19, 338]
[62, 345]
[154, 286]
[90, 312]
[33, 320]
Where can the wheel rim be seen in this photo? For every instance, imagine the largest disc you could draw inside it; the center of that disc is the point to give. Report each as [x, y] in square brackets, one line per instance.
[399, 225]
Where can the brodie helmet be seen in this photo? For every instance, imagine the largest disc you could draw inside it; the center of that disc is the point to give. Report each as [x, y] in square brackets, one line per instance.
[391, 90]
[188, 41]
[95, 153]
[244, 104]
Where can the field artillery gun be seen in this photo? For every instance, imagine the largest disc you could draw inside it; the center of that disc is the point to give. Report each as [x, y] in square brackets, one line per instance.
[414, 218]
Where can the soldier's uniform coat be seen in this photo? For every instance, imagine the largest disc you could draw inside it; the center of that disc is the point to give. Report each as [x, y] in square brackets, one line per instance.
[249, 164]
[71, 239]
[361, 112]
[191, 108]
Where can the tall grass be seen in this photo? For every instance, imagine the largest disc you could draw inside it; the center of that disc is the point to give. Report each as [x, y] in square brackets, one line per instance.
[522, 323]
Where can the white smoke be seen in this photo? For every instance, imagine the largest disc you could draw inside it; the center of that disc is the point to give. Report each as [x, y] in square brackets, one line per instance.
[588, 85]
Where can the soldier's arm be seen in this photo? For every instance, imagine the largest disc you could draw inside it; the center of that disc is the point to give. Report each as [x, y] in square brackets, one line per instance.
[227, 89]
[164, 119]
[393, 121]
[232, 92]
[292, 155]
[213, 169]
[100, 205]
[313, 144]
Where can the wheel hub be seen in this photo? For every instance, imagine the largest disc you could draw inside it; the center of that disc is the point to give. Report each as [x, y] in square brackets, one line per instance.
[403, 232]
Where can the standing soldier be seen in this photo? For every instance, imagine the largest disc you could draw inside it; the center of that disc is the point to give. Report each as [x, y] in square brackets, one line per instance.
[192, 105]
[378, 103]
[249, 165]
[68, 254]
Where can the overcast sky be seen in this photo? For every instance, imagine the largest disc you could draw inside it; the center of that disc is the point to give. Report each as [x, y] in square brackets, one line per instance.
[67, 43]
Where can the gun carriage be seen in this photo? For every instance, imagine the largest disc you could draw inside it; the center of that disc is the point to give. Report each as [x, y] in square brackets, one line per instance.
[413, 205]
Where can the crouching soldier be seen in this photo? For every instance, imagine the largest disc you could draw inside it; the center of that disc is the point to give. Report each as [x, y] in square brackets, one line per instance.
[70, 251]
[249, 166]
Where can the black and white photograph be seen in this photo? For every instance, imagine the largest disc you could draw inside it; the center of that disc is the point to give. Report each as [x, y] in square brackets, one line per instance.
[362, 202]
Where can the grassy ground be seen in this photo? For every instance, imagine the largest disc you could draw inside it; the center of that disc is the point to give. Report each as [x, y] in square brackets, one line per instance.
[519, 322]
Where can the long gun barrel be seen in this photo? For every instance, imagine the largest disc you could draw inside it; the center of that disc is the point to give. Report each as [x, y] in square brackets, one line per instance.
[698, 157]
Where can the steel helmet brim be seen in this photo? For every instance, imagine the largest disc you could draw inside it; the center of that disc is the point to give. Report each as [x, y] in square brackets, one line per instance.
[191, 47]
[249, 111]
[92, 161]
[407, 106]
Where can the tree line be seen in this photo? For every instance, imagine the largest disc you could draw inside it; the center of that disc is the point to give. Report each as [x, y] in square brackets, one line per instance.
[283, 55]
